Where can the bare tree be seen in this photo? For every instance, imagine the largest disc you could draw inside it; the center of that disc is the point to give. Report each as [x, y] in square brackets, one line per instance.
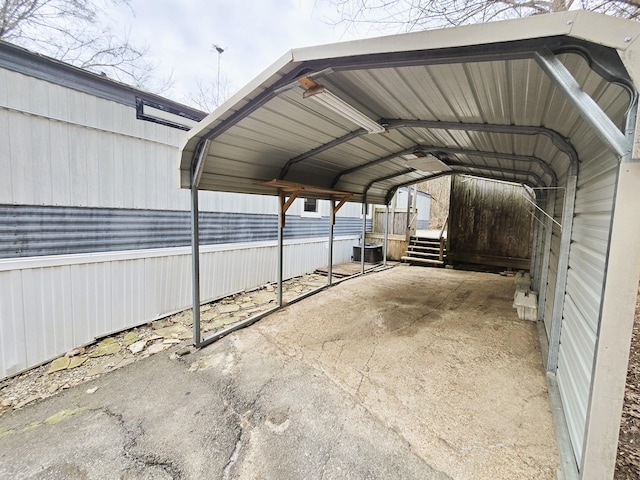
[75, 31]
[408, 15]
[209, 94]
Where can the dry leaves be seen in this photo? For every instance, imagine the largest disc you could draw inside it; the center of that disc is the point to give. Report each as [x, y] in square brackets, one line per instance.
[628, 460]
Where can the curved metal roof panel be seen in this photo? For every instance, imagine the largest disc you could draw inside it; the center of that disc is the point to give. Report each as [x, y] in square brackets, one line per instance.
[480, 99]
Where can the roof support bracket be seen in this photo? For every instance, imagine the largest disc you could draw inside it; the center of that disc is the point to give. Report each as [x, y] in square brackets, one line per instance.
[284, 205]
[584, 104]
[335, 208]
[198, 166]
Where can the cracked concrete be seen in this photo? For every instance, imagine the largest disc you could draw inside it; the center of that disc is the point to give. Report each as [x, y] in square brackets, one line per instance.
[407, 373]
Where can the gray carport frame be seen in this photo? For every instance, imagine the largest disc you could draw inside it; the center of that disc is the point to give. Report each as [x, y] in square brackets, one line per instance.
[553, 108]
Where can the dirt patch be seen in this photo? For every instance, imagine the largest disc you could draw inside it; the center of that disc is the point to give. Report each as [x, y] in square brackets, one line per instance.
[628, 460]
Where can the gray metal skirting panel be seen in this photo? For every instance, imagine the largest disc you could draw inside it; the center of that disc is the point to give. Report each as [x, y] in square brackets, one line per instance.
[29, 231]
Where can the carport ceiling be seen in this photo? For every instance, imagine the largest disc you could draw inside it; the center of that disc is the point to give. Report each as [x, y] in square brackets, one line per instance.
[502, 100]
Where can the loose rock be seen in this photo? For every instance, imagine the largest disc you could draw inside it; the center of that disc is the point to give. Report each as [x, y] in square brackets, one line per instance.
[59, 364]
[76, 362]
[156, 348]
[138, 346]
[228, 308]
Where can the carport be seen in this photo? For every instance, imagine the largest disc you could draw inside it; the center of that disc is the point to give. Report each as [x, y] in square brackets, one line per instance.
[548, 101]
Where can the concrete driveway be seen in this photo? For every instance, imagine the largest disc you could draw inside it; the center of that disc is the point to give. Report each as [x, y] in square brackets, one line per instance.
[407, 373]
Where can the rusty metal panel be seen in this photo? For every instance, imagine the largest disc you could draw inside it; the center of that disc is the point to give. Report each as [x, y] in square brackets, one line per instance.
[489, 222]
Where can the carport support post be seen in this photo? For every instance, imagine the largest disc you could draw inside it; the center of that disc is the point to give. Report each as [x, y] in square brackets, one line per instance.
[364, 232]
[281, 220]
[197, 167]
[195, 265]
[386, 234]
[332, 221]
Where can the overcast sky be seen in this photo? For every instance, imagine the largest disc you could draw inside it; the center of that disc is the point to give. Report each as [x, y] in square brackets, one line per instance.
[254, 34]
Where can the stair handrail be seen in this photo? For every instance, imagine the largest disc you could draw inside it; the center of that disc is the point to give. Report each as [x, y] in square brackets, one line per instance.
[440, 237]
[413, 219]
[444, 226]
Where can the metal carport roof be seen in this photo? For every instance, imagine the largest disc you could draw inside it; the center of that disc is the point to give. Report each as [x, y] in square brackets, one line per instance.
[548, 101]
[475, 97]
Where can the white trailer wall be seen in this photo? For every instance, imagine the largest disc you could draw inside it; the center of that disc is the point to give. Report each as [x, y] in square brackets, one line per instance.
[60, 146]
[88, 245]
[48, 305]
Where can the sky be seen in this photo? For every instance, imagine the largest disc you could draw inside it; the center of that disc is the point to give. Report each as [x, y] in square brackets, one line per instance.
[254, 34]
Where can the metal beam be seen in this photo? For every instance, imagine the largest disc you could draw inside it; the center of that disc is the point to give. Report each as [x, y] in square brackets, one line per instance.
[457, 151]
[320, 149]
[386, 234]
[332, 221]
[195, 266]
[198, 166]
[196, 174]
[560, 142]
[364, 233]
[386, 158]
[535, 248]
[281, 221]
[388, 177]
[562, 271]
[586, 106]
[546, 248]
[454, 170]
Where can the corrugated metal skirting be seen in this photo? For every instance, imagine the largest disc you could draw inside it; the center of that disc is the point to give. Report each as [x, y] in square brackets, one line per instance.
[31, 230]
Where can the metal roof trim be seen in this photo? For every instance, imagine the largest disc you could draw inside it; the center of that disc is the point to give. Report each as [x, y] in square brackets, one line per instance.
[558, 24]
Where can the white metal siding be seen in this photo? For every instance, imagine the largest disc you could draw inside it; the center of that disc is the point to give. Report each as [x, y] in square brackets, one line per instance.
[587, 262]
[59, 146]
[49, 305]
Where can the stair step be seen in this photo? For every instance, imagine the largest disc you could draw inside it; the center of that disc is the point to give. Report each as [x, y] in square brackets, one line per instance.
[418, 248]
[422, 260]
[423, 254]
[424, 242]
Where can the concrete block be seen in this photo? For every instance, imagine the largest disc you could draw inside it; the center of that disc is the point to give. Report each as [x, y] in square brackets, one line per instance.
[526, 304]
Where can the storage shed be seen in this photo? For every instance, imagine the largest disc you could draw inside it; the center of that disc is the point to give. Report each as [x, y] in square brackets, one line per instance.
[547, 101]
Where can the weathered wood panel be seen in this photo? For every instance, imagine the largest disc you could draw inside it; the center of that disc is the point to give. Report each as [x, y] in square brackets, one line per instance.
[489, 222]
[397, 225]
